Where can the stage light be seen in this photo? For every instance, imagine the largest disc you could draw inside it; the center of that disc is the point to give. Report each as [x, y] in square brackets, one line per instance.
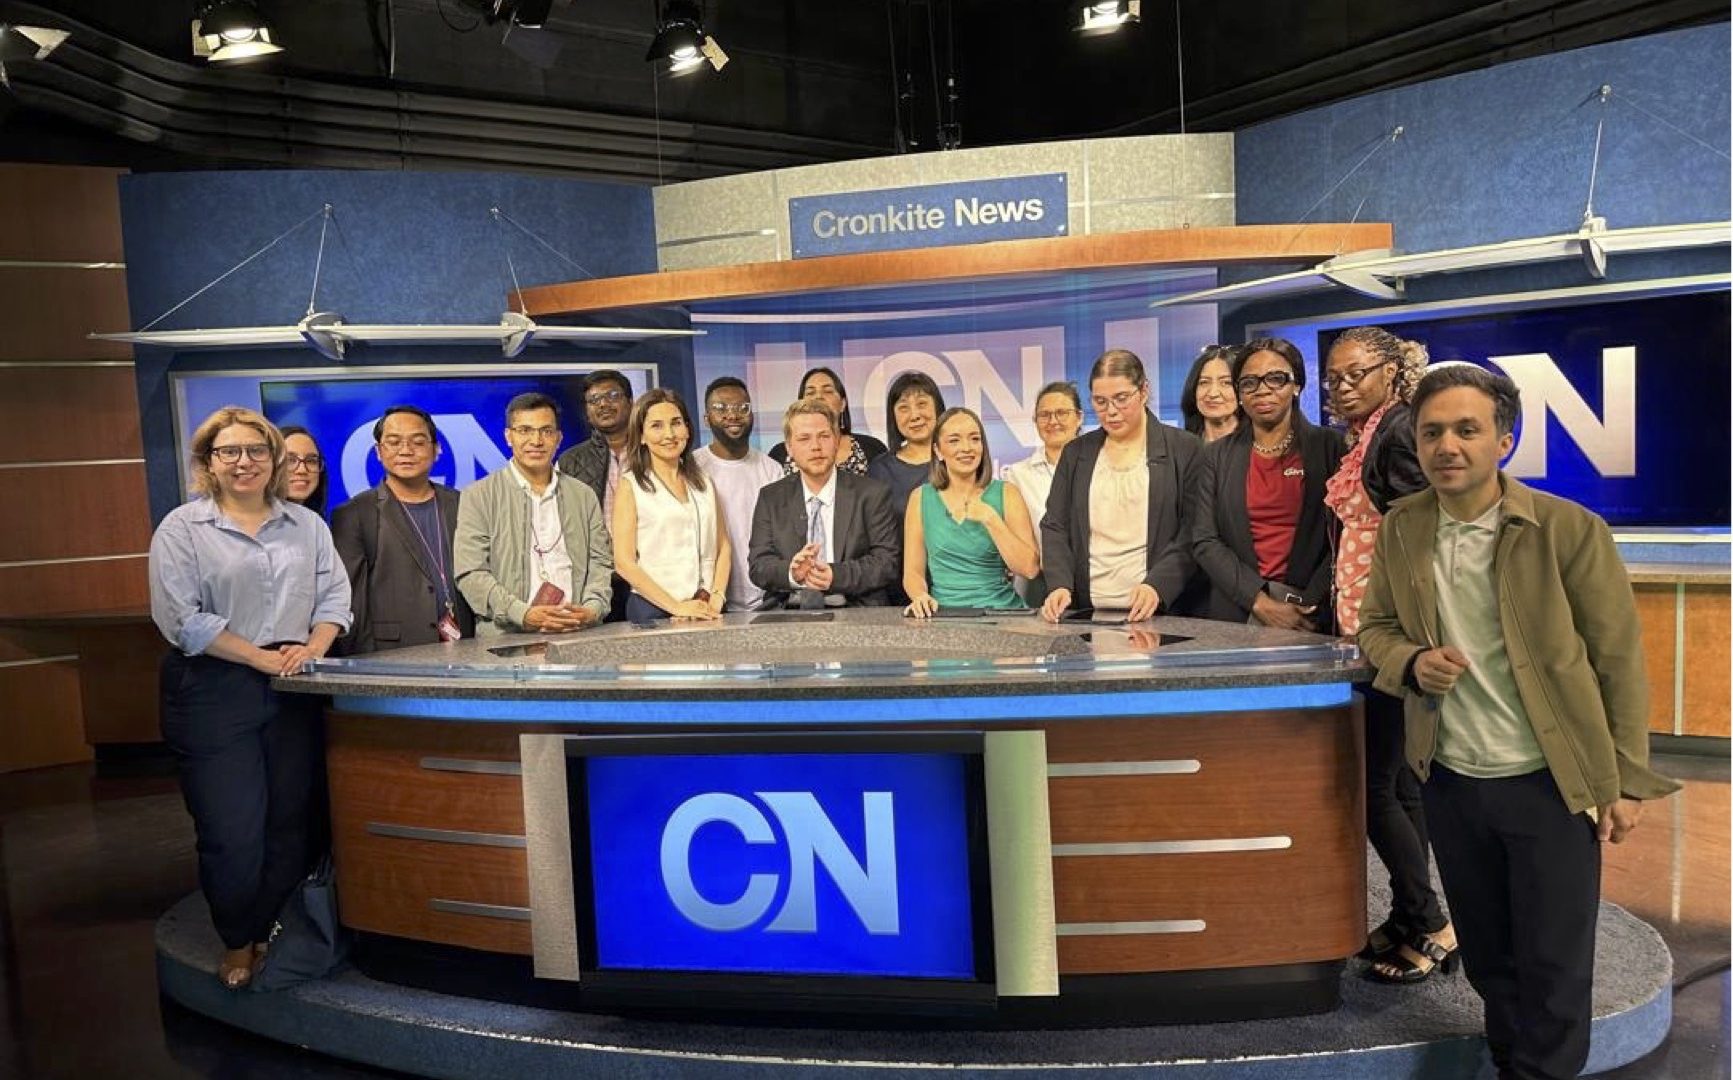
[681, 41]
[229, 30]
[1103, 16]
[26, 43]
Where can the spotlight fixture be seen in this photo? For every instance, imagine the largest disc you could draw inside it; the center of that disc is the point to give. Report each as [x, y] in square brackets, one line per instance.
[680, 39]
[26, 43]
[1105, 16]
[225, 31]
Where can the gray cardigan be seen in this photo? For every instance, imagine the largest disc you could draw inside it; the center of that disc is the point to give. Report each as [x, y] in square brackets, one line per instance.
[490, 554]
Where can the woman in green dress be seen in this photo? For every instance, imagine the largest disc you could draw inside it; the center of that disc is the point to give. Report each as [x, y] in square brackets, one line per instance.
[964, 533]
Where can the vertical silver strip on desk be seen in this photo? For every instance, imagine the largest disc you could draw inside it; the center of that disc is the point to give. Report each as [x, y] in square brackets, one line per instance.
[1020, 846]
[547, 826]
[1679, 659]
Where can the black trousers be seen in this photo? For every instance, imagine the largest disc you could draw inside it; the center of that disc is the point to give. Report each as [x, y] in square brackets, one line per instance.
[247, 755]
[1523, 878]
[1395, 818]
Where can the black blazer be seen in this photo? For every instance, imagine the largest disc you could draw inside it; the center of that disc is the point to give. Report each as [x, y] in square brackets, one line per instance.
[1173, 456]
[867, 537]
[1391, 469]
[391, 575]
[1222, 530]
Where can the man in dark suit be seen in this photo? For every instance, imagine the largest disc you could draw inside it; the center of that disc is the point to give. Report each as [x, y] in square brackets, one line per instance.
[395, 542]
[600, 460]
[822, 537]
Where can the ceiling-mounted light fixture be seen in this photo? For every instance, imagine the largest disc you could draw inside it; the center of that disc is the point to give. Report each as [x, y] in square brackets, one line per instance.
[1102, 16]
[225, 31]
[680, 39]
[26, 43]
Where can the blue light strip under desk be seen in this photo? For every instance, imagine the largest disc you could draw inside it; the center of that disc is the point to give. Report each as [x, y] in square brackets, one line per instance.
[827, 712]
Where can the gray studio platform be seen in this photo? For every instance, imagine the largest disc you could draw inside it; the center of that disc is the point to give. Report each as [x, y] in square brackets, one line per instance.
[1428, 1031]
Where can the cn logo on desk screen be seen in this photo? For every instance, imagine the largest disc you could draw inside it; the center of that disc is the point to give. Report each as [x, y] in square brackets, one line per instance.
[788, 863]
[870, 889]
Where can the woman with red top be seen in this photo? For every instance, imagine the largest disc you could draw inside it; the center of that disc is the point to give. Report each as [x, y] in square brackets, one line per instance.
[1370, 375]
[1259, 527]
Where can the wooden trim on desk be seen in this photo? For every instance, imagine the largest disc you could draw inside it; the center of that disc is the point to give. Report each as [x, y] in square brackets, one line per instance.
[1237, 244]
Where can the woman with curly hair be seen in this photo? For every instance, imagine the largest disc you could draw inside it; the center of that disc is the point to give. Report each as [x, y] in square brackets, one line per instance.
[1371, 375]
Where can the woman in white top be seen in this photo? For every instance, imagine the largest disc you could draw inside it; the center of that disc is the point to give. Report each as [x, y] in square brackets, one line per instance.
[669, 543]
[1058, 420]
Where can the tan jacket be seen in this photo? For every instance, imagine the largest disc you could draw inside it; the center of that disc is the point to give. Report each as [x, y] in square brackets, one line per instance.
[1570, 627]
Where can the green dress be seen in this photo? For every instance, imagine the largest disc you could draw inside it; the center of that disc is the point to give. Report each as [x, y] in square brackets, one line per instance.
[963, 564]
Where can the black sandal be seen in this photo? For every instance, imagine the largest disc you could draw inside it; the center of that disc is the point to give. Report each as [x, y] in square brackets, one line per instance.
[1415, 960]
[1384, 938]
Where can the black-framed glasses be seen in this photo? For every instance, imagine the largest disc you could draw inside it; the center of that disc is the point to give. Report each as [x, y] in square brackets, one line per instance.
[524, 431]
[719, 408]
[1055, 416]
[1348, 378]
[605, 397]
[228, 455]
[1118, 402]
[311, 462]
[1269, 380]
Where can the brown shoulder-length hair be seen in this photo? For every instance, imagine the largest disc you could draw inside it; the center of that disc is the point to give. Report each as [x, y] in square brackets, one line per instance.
[938, 472]
[204, 481]
[640, 461]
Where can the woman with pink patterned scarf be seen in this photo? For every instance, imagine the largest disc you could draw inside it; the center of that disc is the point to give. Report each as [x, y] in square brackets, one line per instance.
[1370, 375]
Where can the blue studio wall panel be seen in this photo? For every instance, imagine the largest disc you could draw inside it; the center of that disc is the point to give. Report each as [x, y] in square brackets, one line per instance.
[404, 248]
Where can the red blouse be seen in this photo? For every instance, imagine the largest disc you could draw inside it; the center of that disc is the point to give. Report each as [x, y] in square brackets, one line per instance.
[1275, 488]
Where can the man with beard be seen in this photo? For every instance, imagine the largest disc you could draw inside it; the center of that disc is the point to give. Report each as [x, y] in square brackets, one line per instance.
[600, 460]
[738, 471]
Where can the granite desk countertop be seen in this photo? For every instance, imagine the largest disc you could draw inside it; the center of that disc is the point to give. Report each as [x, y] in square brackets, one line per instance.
[857, 652]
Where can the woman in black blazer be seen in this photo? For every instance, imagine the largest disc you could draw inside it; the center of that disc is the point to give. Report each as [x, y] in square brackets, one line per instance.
[1130, 441]
[1260, 531]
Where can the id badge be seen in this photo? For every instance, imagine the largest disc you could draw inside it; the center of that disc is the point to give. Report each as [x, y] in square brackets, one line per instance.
[448, 628]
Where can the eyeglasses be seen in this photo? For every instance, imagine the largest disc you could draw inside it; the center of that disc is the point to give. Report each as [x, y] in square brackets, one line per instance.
[718, 408]
[1055, 416]
[295, 461]
[1348, 377]
[1269, 380]
[605, 397]
[398, 442]
[228, 455]
[1118, 402]
[524, 431]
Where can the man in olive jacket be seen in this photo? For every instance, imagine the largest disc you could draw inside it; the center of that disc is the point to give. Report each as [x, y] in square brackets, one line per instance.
[1504, 616]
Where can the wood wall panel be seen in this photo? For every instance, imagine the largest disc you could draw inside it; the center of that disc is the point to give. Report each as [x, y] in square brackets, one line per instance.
[96, 510]
[74, 413]
[30, 643]
[40, 716]
[1706, 660]
[117, 675]
[117, 585]
[47, 314]
[1655, 607]
[60, 213]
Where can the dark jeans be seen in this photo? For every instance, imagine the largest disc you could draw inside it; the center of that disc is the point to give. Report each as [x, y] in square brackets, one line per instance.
[1395, 819]
[1522, 875]
[639, 610]
[246, 756]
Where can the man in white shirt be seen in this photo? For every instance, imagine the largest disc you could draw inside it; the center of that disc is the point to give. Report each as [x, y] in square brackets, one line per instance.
[739, 473]
[829, 537]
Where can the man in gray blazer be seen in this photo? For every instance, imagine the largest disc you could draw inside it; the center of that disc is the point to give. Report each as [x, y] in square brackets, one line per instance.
[822, 537]
[395, 542]
[532, 553]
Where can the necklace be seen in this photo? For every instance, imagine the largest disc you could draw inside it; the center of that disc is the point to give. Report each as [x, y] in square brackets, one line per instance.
[1278, 449]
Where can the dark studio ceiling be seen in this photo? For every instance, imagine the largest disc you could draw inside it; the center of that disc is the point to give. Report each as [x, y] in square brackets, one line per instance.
[425, 84]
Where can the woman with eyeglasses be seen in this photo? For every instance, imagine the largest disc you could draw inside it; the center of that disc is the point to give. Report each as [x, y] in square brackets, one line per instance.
[1114, 536]
[305, 469]
[1058, 420]
[855, 452]
[246, 586]
[912, 407]
[669, 541]
[964, 532]
[1259, 526]
[1371, 375]
[1208, 401]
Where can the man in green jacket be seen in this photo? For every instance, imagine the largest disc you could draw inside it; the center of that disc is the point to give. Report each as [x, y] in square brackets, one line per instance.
[1505, 619]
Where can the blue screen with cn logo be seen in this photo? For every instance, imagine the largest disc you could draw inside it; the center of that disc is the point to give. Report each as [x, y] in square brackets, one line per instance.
[813, 864]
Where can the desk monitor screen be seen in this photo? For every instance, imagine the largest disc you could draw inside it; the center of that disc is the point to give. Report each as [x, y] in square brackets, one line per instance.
[857, 857]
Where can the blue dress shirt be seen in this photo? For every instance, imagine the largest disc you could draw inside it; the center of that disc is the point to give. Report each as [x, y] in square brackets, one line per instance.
[207, 576]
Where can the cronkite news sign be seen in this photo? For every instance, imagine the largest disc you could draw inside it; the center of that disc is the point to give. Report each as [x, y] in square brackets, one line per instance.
[932, 215]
